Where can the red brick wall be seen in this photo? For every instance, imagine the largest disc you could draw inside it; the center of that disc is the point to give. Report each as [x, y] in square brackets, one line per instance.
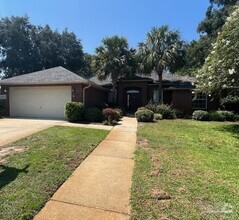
[95, 97]
[77, 93]
[123, 86]
[182, 100]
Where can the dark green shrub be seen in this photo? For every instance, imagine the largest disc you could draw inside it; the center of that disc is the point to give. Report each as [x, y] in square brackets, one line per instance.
[216, 116]
[200, 115]
[93, 115]
[144, 115]
[231, 101]
[120, 112]
[179, 113]
[110, 115]
[141, 108]
[166, 111]
[152, 107]
[74, 111]
[158, 116]
[228, 116]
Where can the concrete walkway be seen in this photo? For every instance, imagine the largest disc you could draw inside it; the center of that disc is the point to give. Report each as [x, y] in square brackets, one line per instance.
[100, 187]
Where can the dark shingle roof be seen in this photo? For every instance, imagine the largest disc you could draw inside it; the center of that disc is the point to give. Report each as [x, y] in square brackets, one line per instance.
[56, 75]
[167, 77]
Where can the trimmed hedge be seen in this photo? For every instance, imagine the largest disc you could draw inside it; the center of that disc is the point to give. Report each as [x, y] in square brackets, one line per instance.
[74, 111]
[200, 115]
[110, 115]
[93, 115]
[144, 115]
[216, 116]
[166, 111]
[228, 116]
[158, 117]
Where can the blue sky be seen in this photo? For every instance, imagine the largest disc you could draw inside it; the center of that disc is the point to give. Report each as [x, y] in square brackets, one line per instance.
[92, 20]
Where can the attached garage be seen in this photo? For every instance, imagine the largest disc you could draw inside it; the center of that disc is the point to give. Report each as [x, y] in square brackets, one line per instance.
[43, 94]
[39, 102]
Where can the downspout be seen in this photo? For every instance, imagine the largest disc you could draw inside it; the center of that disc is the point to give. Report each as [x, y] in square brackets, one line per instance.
[87, 87]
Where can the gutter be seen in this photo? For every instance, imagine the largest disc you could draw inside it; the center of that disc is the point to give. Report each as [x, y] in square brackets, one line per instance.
[84, 90]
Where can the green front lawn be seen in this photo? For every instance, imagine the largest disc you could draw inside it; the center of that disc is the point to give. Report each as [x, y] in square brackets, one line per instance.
[186, 170]
[28, 179]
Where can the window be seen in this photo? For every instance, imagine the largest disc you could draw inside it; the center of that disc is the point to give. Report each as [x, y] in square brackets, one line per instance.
[199, 101]
[112, 96]
[156, 96]
[3, 97]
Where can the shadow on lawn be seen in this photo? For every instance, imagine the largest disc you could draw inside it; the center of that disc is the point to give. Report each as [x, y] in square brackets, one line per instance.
[232, 128]
[9, 174]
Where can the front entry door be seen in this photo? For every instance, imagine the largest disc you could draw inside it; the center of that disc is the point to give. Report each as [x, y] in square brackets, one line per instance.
[133, 100]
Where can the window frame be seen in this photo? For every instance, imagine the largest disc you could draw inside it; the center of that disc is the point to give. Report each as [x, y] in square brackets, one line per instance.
[201, 97]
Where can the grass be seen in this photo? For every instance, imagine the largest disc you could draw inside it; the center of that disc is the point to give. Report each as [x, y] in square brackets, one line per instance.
[186, 170]
[28, 179]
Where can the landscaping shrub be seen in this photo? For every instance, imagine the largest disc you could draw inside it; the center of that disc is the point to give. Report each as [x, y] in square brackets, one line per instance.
[166, 111]
[158, 116]
[200, 115]
[110, 115]
[231, 101]
[93, 115]
[141, 108]
[216, 116]
[179, 113]
[74, 111]
[152, 107]
[228, 116]
[144, 115]
[120, 112]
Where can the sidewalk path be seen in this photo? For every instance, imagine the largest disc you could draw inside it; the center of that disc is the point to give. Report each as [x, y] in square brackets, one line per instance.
[100, 187]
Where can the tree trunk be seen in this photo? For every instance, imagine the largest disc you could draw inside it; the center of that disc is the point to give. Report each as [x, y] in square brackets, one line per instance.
[114, 92]
[160, 91]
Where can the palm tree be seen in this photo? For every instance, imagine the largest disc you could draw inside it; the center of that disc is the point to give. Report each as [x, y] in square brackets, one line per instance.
[113, 59]
[159, 52]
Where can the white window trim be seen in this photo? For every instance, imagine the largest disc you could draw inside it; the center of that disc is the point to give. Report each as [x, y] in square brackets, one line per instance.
[206, 99]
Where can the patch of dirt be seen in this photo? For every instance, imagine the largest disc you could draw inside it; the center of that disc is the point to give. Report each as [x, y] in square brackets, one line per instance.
[143, 143]
[10, 150]
[160, 195]
[182, 190]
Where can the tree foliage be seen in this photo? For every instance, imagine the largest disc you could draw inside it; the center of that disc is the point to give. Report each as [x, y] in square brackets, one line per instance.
[221, 68]
[113, 59]
[25, 48]
[197, 51]
[162, 50]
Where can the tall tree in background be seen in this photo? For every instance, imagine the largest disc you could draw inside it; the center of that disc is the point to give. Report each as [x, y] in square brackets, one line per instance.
[27, 48]
[197, 51]
[162, 50]
[221, 69]
[113, 59]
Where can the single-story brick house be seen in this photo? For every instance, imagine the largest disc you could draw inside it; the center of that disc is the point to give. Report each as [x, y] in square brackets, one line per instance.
[178, 91]
[44, 93]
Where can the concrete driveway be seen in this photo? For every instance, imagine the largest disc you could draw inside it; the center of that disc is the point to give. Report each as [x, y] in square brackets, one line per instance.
[12, 129]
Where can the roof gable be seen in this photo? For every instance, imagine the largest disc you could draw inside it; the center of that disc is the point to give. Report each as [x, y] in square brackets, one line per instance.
[56, 75]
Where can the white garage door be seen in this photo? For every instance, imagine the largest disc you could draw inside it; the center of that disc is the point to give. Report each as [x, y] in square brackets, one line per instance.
[39, 102]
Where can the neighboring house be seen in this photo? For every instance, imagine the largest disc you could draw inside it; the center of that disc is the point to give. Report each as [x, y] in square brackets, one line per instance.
[44, 93]
[178, 91]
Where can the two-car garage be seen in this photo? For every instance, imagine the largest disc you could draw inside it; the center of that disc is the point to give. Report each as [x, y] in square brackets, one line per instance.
[39, 101]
